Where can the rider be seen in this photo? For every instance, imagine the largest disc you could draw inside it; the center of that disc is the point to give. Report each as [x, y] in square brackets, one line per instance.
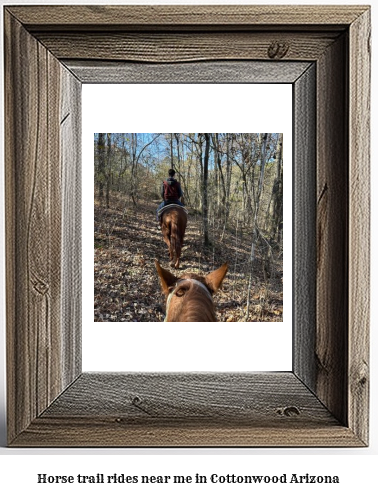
[171, 191]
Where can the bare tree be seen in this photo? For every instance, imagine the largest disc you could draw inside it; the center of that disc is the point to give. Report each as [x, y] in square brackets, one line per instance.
[101, 164]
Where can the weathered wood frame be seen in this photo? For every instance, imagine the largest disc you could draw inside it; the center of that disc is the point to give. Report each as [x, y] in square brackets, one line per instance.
[49, 52]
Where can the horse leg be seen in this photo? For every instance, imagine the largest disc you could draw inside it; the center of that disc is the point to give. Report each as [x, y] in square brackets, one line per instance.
[167, 239]
[172, 254]
[177, 263]
[168, 244]
[170, 250]
[173, 241]
[179, 245]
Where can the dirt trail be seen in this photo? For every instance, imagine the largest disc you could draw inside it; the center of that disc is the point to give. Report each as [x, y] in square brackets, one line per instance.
[127, 242]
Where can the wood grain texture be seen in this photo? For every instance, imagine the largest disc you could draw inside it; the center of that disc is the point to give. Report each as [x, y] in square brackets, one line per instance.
[184, 16]
[99, 432]
[323, 402]
[32, 191]
[331, 351]
[181, 47]
[70, 160]
[304, 228]
[241, 397]
[202, 72]
[359, 226]
[188, 410]
[33, 227]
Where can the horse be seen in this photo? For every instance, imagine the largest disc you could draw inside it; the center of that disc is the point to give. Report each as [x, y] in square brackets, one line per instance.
[173, 225]
[190, 297]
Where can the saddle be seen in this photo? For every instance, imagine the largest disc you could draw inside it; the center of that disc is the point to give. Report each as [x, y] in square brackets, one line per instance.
[171, 205]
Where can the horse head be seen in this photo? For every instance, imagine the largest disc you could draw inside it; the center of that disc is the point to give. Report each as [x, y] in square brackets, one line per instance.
[190, 296]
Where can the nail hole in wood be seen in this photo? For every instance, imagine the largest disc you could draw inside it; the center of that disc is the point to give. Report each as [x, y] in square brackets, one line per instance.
[289, 411]
[278, 50]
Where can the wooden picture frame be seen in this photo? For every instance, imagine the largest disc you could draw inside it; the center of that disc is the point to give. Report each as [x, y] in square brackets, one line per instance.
[49, 52]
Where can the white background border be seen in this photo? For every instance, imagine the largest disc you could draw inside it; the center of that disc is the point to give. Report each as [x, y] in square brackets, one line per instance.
[199, 347]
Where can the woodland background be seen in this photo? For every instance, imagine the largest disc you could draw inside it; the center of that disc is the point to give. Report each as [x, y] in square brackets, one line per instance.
[233, 189]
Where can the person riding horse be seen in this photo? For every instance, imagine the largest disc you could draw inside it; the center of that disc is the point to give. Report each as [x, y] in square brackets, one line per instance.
[171, 191]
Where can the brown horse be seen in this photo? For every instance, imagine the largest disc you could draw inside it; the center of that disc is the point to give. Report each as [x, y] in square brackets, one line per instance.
[173, 225]
[190, 297]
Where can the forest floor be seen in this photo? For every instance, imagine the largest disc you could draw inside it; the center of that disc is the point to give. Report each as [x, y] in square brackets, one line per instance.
[127, 242]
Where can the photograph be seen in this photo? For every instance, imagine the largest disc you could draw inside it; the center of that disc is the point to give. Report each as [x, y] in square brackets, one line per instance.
[188, 227]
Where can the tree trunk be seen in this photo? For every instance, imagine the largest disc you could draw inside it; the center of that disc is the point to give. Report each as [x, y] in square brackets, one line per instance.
[205, 191]
[277, 196]
[217, 156]
[172, 162]
[101, 164]
[108, 169]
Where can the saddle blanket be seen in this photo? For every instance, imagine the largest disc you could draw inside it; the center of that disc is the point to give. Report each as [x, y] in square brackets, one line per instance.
[171, 206]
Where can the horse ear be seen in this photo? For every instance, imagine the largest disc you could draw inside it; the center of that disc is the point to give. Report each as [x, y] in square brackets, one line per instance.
[167, 279]
[215, 278]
